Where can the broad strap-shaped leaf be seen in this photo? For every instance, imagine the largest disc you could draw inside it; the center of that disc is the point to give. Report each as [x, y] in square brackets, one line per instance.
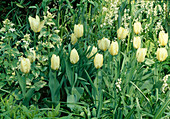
[28, 96]
[78, 91]
[22, 83]
[71, 100]
[53, 84]
[69, 73]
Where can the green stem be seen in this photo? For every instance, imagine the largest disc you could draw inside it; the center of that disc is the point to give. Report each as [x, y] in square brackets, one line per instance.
[9, 43]
[117, 68]
[73, 83]
[48, 49]
[128, 46]
[99, 82]
[156, 73]
[160, 69]
[58, 20]
[26, 76]
[34, 40]
[111, 65]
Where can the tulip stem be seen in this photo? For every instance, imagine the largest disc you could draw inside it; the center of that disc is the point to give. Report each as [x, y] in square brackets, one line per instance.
[117, 62]
[34, 40]
[99, 89]
[156, 73]
[128, 45]
[26, 76]
[73, 83]
[160, 69]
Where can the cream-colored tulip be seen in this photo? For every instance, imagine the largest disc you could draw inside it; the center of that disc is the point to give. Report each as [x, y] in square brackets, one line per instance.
[93, 51]
[78, 30]
[162, 54]
[55, 62]
[103, 44]
[140, 54]
[136, 42]
[35, 23]
[114, 47]
[122, 33]
[137, 27]
[25, 65]
[74, 56]
[163, 38]
[98, 60]
[32, 56]
[73, 38]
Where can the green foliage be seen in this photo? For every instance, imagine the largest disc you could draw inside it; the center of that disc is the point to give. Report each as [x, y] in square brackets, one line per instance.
[9, 109]
[122, 88]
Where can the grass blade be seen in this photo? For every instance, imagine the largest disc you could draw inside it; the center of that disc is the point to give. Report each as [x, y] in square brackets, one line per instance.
[161, 110]
[141, 93]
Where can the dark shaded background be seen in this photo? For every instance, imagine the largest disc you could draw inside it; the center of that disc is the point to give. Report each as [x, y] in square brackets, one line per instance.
[14, 9]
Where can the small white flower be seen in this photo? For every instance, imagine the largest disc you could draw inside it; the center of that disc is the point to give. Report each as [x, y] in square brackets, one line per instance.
[2, 29]
[12, 29]
[165, 85]
[118, 83]
[2, 38]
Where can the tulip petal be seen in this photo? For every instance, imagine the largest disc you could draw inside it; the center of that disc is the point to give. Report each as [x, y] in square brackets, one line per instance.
[41, 25]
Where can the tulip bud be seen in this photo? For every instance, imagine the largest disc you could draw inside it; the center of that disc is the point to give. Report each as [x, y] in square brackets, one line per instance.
[140, 54]
[122, 33]
[137, 27]
[55, 62]
[78, 30]
[35, 23]
[74, 56]
[163, 38]
[103, 44]
[98, 60]
[32, 56]
[162, 54]
[25, 65]
[93, 51]
[73, 38]
[114, 48]
[136, 42]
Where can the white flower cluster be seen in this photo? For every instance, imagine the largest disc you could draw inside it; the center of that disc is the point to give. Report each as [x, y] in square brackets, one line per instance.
[6, 23]
[164, 8]
[158, 26]
[7, 27]
[48, 17]
[165, 79]
[118, 83]
[110, 11]
[26, 41]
